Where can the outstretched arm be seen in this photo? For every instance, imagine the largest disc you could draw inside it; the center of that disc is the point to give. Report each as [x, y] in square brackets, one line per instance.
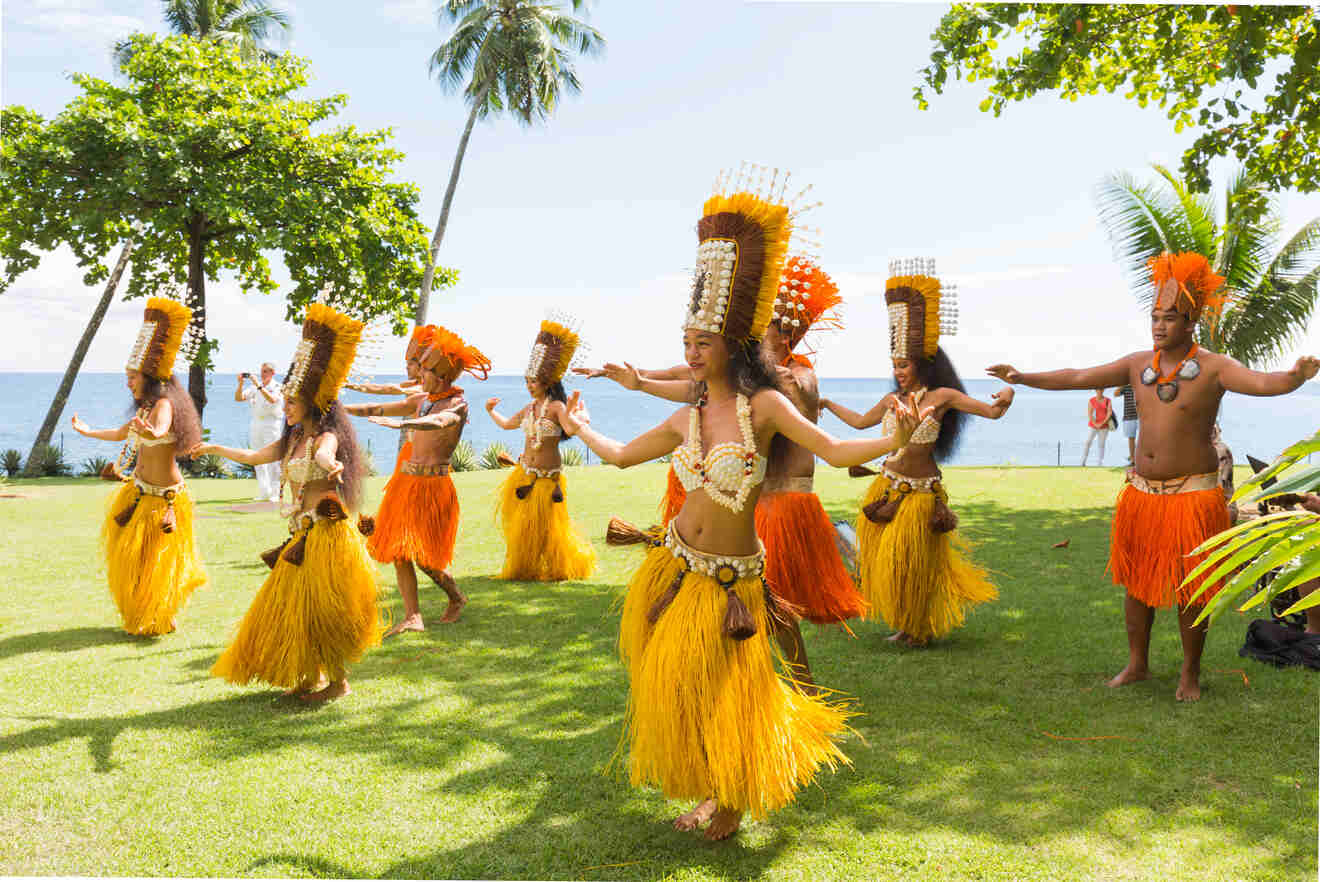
[403, 407]
[100, 434]
[269, 453]
[629, 377]
[383, 388]
[1113, 374]
[644, 448]
[785, 419]
[858, 420]
[326, 447]
[157, 423]
[504, 422]
[1235, 377]
[998, 406]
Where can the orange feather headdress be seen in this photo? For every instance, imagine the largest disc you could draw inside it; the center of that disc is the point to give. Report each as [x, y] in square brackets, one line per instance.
[807, 298]
[1185, 282]
[445, 345]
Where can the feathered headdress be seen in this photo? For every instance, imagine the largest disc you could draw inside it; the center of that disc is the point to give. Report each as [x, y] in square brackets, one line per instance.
[743, 237]
[324, 356]
[422, 336]
[164, 323]
[807, 298]
[446, 345]
[557, 348]
[920, 308]
[1186, 283]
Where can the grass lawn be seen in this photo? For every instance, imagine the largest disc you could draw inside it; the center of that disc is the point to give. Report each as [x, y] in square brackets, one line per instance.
[482, 749]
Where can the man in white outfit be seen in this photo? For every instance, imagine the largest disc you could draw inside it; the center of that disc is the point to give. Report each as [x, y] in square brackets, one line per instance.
[267, 423]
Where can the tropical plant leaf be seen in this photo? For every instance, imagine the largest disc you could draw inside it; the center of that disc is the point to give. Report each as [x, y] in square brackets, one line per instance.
[1305, 481]
[1237, 529]
[1140, 221]
[1230, 562]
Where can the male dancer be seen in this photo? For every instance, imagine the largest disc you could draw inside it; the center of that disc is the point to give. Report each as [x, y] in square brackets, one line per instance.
[417, 523]
[1172, 501]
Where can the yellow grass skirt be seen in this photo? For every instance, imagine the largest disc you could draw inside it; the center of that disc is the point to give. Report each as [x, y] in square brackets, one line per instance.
[311, 618]
[151, 573]
[709, 716]
[915, 579]
[540, 542]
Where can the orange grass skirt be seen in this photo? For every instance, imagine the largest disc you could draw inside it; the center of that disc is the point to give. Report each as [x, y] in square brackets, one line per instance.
[417, 521]
[1152, 536]
[802, 562]
[672, 503]
[405, 454]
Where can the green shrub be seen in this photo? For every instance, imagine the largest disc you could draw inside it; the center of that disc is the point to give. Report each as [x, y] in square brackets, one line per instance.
[464, 458]
[490, 456]
[209, 465]
[13, 462]
[573, 455]
[50, 462]
[93, 466]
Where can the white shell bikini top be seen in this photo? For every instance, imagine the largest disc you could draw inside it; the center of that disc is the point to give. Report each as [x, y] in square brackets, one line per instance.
[304, 468]
[135, 440]
[927, 431]
[729, 470]
[537, 429]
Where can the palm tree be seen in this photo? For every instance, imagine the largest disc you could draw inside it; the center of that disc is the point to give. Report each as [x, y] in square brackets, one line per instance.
[513, 55]
[1272, 289]
[248, 23]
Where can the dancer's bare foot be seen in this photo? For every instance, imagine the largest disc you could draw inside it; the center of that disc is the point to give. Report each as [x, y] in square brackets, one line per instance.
[724, 824]
[455, 608]
[1189, 686]
[898, 637]
[410, 623]
[698, 816]
[1128, 675]
[337, 689]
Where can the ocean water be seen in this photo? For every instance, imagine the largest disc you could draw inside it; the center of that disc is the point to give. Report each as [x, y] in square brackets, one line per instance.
[1041, 428]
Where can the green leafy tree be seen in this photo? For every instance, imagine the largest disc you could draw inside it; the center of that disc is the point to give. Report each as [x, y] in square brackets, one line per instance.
[1246, 77]
[506, 55]
[1273, 284]
[247, 24]
[219, 166]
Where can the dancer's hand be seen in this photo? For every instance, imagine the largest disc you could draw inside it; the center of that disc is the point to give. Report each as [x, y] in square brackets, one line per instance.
[1307, 366]
[201, 449]
[625, 375]
[1004, 396]
[570, 420]
[589, 373]
[335, 472]
[905, 422]
[1005, 372]
[80, 427]
[387, 422]
[491, 404]
[580, 412]
[141, 426]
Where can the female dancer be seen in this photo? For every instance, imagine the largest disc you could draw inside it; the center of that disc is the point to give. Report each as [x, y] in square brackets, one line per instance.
[540, 542]
[913, 572]
[708, 716]
[316, 611]
[151, 557]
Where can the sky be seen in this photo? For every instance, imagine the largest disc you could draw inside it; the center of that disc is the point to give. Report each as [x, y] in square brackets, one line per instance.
[594, 212]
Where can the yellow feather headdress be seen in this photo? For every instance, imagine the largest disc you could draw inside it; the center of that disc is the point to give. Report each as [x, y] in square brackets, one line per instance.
[920, 308]
[324, 357]
[557, 347]
[743, 237]
[164, 323]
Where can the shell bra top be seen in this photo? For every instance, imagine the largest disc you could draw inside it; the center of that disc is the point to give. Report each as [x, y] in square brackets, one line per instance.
[536, 429]
[927, 431]
[728, 471]
[135, 440]
[301, 469]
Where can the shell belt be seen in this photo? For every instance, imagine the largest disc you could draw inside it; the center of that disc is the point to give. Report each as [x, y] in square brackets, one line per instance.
[1171, 486]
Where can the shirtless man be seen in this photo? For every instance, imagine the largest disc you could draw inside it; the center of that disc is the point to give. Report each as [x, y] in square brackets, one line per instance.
[417, 524]
[1172, 501]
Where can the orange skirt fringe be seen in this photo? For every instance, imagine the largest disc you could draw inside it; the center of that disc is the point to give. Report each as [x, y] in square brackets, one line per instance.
[417, 521]
[802, 561]
[1152, 536]
[405, 454]
[673, 499]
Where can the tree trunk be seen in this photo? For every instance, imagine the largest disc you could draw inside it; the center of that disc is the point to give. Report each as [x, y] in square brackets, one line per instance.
[79, 353]
[197, 302]
[424, 296]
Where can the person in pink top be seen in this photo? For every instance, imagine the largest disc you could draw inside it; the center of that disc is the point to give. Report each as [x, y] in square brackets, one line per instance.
[1099, 414]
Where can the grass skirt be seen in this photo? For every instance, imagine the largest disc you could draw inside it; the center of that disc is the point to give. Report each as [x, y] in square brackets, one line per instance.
[915, 579]
[417, 521]
[802, 562]
[151, 573]
[405, 454]
[674, 496]
[311, 618]
[709, 716]
[540, 542]
[1151, 536]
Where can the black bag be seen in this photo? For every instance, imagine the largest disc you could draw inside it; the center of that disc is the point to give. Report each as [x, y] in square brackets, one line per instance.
[1277, 644]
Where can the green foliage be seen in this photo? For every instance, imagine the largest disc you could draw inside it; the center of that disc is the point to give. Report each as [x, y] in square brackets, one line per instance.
[1273, 285]
[208, 465]
[13, 462]
[464, 458]
[93, 466]
[220, 160]
[1289, 540]
[573, 455]
[369, 460]
[50, 462]
[1205, 66]
[243, 470]
[246, 24]
[490, 457]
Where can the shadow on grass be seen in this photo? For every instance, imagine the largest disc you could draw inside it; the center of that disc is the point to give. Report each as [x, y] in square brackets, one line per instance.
[68, 640]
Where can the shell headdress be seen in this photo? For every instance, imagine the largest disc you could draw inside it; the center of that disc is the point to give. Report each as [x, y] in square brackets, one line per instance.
[324, 357]
[159, 340]
[558, 347]
[921, 308]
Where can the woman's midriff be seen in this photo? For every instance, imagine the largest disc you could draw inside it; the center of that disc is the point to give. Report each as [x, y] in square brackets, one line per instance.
[156, 465]
[914, 461]
[710, 527]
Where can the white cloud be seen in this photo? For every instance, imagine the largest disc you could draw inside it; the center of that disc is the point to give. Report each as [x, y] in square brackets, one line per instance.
[410, 13]
[81, 21]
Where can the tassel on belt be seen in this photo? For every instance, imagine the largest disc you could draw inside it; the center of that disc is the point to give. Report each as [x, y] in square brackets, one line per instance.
[883, 510]
[294, 551]
[536, 474]
[166, 492]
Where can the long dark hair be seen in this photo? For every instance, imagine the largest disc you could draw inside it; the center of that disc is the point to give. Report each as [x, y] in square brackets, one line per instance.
[334, 420]
[185, 423]
[939, 373]
[749, 369]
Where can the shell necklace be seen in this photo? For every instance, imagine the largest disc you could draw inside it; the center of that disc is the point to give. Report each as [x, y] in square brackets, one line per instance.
[1166, 385]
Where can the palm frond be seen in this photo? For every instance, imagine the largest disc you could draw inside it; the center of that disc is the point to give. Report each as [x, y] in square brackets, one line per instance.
[464, 50]
[1140, 221]
[1300, 256]
[181, 16]
[1198, 215]
[1246, 243]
